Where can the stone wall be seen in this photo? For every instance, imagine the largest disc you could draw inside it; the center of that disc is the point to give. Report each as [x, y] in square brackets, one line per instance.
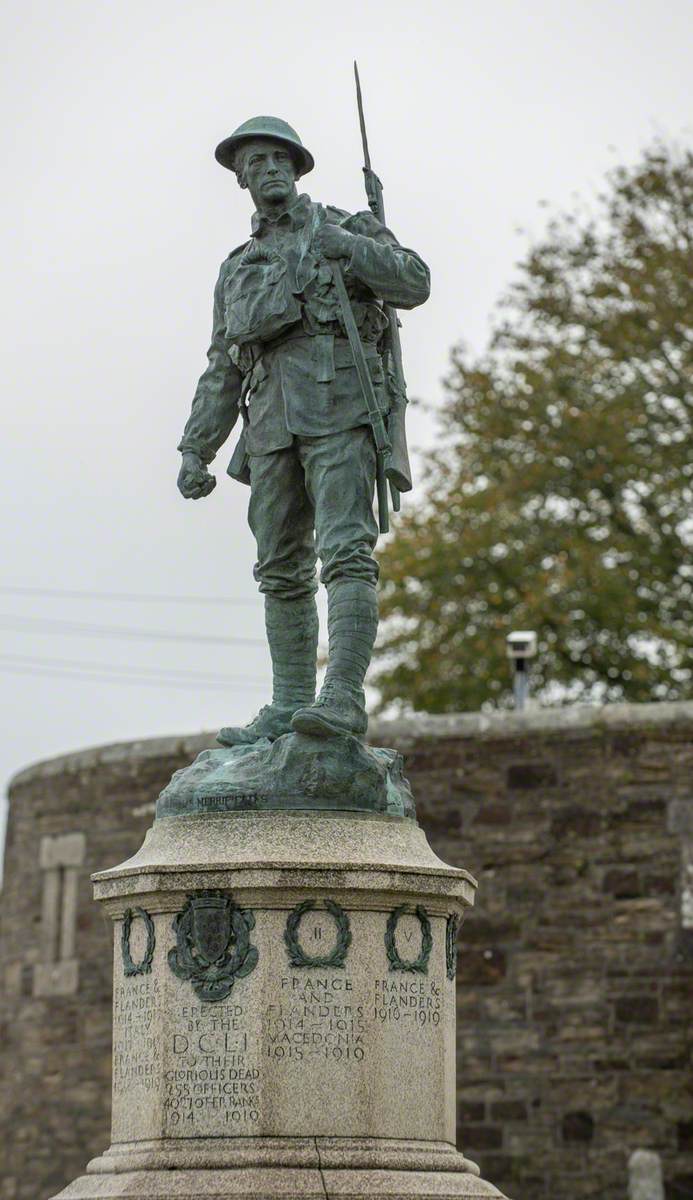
[575, 980]
[55, 1018]
[575, 971]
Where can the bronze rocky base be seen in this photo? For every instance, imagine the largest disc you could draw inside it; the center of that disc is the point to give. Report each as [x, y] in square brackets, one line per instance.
[294, 772]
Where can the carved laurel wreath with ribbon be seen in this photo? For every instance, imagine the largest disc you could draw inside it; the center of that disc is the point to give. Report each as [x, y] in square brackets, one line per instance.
[144, 966]
[298, 956]
[397, 963]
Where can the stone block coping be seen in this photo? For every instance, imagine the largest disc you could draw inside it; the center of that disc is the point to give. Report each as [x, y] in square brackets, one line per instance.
[571, 721]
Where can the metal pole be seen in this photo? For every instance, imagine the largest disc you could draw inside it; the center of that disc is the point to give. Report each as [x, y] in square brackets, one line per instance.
[520, 684]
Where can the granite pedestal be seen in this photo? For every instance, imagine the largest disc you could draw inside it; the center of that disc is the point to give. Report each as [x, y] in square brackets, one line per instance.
[284, 1011]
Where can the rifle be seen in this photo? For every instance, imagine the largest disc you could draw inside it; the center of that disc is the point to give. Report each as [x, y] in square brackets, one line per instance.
[397, 470]
[383, 448]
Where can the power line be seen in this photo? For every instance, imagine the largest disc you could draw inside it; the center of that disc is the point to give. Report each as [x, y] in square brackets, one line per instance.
[147, 597]
[130, 669]
[84, 629]
[81, 677]
[95, 677]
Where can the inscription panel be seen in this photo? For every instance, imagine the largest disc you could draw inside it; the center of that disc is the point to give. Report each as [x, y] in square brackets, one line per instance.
[136, 1052]
[418, 1002]
[291, 1049]
[339, 1043]
[212, 1073]
[315, 1016]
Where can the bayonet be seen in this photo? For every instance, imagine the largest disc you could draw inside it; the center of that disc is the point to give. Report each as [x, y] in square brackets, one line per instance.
[362, 119]
[374, 187]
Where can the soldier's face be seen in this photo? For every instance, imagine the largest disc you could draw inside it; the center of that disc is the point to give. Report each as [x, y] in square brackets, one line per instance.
[269, 171]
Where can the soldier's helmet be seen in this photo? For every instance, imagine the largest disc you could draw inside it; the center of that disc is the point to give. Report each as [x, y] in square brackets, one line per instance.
[267, 127]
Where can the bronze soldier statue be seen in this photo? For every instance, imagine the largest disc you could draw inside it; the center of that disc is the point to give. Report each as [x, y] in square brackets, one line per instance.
[280, 357]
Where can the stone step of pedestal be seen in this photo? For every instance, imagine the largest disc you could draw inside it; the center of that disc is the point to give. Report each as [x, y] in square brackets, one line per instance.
[328, 1153]
[276, 1183]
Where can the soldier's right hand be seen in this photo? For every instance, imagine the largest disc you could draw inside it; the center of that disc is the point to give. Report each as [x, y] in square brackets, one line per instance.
[194, 480]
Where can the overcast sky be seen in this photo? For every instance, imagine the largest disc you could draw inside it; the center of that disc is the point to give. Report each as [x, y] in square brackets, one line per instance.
[115, 218]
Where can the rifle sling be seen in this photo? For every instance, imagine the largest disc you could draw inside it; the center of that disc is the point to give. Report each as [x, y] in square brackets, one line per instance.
[382, 442]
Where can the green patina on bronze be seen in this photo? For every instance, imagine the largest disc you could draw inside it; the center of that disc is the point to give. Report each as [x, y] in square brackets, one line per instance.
[293, 772]
[418, 965]
[305, 353]
[297, 955]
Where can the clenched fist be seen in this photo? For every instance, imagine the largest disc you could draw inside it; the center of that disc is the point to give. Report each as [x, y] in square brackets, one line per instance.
[194, 480]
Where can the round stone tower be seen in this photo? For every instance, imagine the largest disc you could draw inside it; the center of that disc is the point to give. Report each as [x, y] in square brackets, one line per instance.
[68, 817]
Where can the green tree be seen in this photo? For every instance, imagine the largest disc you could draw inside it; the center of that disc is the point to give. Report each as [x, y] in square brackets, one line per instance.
[559, 497]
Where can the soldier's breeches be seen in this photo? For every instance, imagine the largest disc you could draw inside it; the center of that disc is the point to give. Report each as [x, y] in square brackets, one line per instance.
[280, 516]
[314, 499]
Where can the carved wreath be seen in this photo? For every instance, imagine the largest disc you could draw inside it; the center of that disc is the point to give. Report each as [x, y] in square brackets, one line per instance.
[145, 965]
[298, 956]
[451, 930]
[397, 963]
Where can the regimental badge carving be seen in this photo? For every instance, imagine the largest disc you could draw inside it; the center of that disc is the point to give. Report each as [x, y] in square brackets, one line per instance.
[451, 930]
[298, 956]
[397, 963]
[145, 965]
[213, 947]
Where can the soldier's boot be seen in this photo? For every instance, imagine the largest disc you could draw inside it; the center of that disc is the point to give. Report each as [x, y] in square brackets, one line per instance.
[352, 623]
[292, 634]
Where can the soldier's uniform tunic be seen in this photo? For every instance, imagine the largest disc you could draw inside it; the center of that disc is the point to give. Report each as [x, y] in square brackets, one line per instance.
[279, 356]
